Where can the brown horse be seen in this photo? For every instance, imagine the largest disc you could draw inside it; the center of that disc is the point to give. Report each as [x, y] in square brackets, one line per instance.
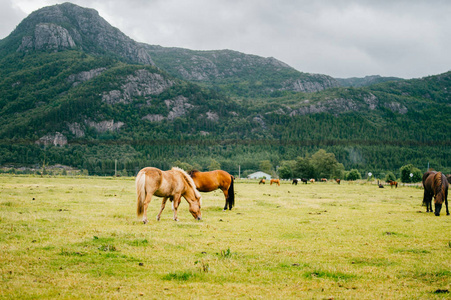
[275, 181]
[262, 181]
[213, 180]
[435, 185]
[172, 184]
[393, 183]
[338, 180]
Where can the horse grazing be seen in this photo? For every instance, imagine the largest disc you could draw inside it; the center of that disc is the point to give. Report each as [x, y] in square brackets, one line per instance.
[275, 181]
[338, 180]
[213, 180]
[295, 182]
[435, 185]
[262, 181]
[172, 184]
[323, 179]
[312, 180]
[393, 183]
[304, 180]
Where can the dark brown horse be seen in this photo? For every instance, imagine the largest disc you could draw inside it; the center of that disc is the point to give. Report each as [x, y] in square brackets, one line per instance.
[172, 184]
[213, 180]
[295, 181]
[435, 185]
[304, 180]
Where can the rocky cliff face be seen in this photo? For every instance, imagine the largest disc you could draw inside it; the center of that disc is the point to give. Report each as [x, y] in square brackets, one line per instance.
[225, 66]
[68, 26]
[313, 83]
[141, 83]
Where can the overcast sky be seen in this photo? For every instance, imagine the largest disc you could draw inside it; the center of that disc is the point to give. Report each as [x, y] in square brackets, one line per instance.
[340, 38]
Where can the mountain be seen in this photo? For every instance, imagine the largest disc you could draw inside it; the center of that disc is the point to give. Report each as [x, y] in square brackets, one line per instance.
[78, 92]
[236, 73]
[365, 81]
[68, 26]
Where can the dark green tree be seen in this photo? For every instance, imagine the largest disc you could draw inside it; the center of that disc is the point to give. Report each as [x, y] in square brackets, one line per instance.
[354, 174]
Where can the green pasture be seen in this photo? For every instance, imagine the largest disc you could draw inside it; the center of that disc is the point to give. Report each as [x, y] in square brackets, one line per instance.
[78, 238]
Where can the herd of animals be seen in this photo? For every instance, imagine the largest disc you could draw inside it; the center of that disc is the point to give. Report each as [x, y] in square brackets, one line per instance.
[176, 183]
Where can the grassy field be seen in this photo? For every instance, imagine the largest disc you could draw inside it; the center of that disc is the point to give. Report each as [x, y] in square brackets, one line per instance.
[78, 238]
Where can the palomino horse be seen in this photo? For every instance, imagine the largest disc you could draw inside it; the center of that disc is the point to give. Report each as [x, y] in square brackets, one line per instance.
[275, 181]
[172, 184]
[393, 183]
[435, 185]
[213, 180]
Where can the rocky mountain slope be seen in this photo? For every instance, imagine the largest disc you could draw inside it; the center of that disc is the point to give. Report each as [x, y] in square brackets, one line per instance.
[68, 26]
[237, 73]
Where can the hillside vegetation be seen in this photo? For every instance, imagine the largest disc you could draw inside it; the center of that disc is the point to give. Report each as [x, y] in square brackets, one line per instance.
[68, 99]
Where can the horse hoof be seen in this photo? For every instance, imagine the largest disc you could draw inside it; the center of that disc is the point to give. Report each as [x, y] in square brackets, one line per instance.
[145, 221]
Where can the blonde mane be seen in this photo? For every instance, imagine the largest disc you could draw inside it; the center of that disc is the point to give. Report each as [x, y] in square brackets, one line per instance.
[189, 179]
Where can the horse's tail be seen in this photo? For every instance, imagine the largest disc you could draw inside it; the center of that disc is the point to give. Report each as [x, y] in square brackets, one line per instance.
[141, 192]
[231, 193]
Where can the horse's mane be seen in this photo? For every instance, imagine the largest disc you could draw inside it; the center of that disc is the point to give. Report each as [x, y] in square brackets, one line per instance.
[191, 172]
[439, 186]
[188, 178]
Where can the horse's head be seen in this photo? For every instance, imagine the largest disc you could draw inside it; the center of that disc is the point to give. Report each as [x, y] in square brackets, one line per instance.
[438, 200]
[440, 186]
[195, 204]
[194, 199]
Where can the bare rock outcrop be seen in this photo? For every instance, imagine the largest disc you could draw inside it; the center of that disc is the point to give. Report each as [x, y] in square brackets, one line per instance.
[55, 139]
[141, 83]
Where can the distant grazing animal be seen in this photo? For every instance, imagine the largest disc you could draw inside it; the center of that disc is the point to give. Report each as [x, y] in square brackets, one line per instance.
[172, 184]
[393, 183]
[304, 180]
[276, 181]
[295, 182]
[262, 181]
[323, 179]
[338, 180]
[435, 185]
[213, 180]
[312, 180]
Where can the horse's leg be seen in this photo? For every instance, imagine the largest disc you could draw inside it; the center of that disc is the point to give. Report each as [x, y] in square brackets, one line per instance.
[146, 204]
[163, 204]
[175, 205]
[446, 202]
[226, 195]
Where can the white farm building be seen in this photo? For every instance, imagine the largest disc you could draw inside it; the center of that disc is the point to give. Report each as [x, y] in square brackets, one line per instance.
[259, 175]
